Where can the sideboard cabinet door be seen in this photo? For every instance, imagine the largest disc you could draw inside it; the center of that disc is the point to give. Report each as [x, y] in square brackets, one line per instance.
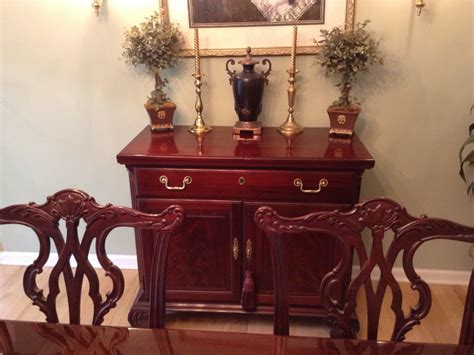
[202, 264]
[309, 256]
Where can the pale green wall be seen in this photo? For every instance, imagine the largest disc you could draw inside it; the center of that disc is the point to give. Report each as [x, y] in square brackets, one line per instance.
[68, 105]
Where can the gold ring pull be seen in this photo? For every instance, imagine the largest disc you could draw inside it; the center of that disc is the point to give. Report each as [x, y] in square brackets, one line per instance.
[235, 248]
[322, 183]
[186, 181]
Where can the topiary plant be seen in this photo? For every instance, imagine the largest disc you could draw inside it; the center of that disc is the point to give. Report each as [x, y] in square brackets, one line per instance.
[346, 53]
[469, 157]
[156, 45]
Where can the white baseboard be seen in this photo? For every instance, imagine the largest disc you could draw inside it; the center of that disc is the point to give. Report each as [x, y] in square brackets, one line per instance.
[432, 276]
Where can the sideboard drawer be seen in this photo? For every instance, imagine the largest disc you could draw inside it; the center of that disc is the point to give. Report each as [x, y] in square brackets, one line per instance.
[302, 186]
[188, 183]
[261, 185]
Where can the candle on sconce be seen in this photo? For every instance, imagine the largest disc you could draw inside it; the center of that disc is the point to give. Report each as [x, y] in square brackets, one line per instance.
[293, 49]
[197, 58]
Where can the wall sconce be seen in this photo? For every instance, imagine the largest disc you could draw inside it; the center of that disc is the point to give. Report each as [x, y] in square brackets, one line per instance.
[96, 4]
[420, 4]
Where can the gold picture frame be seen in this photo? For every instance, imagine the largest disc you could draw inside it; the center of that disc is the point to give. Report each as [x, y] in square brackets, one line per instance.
[258, 50]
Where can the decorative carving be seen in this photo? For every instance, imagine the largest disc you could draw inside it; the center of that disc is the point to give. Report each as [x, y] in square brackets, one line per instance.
[138, 318]
[378, 216]
[72, 206]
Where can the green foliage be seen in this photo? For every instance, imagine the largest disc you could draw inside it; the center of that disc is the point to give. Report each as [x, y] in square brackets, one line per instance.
[346, 53]
[469, 157]
[155, 45]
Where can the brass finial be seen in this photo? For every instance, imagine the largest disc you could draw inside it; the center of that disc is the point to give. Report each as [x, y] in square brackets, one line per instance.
[248, 58]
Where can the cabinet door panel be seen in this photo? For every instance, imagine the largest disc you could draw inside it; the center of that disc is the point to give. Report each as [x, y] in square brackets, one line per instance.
[309, 256]
[200, 265]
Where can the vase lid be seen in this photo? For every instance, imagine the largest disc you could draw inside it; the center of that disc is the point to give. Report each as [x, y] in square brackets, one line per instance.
[248, 59]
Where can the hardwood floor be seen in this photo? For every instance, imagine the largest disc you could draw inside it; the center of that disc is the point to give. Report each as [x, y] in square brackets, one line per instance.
[441, 326]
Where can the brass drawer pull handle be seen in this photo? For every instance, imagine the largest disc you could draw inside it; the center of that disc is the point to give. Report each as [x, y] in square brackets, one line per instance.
[322, 183]
[235, 248]
[186, 181]
[249, 250]
[241, 181]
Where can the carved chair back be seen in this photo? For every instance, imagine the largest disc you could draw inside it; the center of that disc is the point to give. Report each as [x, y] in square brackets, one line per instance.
[379, 216]
[72, 206]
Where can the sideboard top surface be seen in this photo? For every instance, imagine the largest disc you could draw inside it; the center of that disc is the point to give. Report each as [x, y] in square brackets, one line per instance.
[311, 149]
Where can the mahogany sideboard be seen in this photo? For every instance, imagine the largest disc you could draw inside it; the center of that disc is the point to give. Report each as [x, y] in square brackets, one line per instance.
[221, 182]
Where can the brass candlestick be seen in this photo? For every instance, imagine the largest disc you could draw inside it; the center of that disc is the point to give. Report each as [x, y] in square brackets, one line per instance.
[199, 126]
[291, 126]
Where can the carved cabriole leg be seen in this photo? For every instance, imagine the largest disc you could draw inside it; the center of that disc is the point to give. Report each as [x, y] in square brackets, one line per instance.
[280, 284]
[158, 278]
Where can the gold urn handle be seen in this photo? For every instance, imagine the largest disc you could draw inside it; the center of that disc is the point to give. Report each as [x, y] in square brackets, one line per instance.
[186, 181]
[266, 73]
[322, 183]
[231, 73]
[235, 248]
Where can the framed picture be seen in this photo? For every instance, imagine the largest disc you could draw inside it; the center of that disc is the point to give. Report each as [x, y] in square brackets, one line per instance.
[231, 13]
[226, 27]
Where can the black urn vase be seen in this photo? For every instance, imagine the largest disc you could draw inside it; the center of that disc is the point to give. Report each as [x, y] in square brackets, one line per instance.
[248, 86]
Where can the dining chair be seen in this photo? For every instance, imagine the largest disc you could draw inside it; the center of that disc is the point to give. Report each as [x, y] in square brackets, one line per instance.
[70, 206]
[338, 289]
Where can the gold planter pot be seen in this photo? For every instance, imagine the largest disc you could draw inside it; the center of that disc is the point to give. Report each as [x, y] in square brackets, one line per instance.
[342, 121]
[161, 119]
